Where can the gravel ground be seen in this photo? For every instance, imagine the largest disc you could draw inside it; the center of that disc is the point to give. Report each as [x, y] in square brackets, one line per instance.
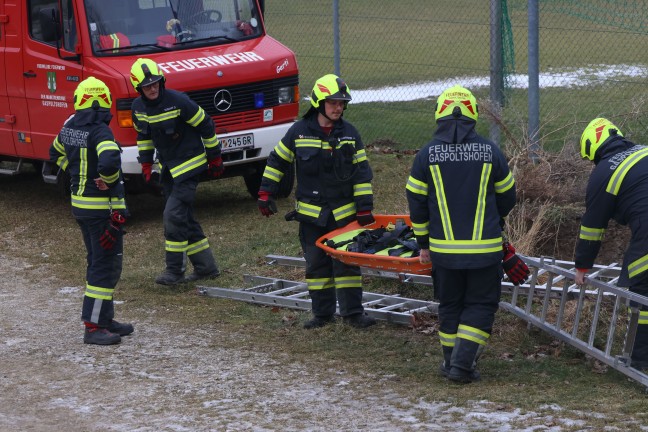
[167, 377]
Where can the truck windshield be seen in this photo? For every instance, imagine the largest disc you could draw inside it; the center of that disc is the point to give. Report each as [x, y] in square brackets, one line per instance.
[124, 27]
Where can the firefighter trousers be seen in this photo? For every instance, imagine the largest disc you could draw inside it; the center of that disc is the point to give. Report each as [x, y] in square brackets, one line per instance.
[329, 281]
[103, 270]
[640, 348]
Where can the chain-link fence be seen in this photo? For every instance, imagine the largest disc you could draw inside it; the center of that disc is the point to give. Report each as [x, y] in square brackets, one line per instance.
[397, 57]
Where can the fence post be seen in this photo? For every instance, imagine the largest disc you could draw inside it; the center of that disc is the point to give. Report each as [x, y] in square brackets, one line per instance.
[336, 35]
[496, 67]
[534, 79]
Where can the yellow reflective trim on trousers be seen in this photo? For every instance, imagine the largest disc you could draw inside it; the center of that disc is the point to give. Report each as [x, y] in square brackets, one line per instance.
[97, 203]
[111, 178]
[197, 118]
[145, 145]
[344, 211]
[106, 145]
[210, 142]
[466, 246]
[272, 174]
[362, 189]
[158, 117]
[173, 246]
[421, 229]
[591, 234]
[309, 143]
[643, 316]
[189, 165]
[447, 339]
[480, 210]
[198, 246]
[308, 209]
[619, 174]
[442, 203]
[638, 266]
[348, 282]
[506, 184]
[284, 152]
[416, 186]
[473, 334]
[98, 292]
[320, 283]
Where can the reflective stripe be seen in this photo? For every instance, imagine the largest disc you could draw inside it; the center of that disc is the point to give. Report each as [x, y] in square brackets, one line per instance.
[421, 229]
[98, 203]
[591, 234]
[416, 186]
[344, 211]
[98, 292]
[504, 185]
[83, 170]
[481, 202]
[145, 145]
[158, 117]
[272, 174]
[106, 145]
[284, 152]
[447, 339]
[348, 282]
[619, 174]
[198, 246]
[309, 143]
[111, 178]
[308, 209]
[472, 334]
[362, 189]
[441, 201]
[210, 142]
[173, 246]
[186, 166]
[197, 118]
[638, 266]
[643, 316]
[360, 156]
[466, 246]
[320, 283]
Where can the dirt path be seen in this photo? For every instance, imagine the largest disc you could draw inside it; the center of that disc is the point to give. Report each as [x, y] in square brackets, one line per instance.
[161, 379]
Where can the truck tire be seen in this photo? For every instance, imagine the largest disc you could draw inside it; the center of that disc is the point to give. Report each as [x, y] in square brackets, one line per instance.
[253, 182]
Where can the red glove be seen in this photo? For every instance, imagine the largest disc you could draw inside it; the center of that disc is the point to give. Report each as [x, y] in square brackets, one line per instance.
[267, 204]
[516, 269]
[147, 168]
[215, 168]
[109, 237]
[365, 218]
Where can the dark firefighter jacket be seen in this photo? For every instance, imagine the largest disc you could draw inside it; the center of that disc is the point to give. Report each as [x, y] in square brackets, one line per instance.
[618, 189]
[333, 175]
[87, 150]
[460, 187]
[178, 129]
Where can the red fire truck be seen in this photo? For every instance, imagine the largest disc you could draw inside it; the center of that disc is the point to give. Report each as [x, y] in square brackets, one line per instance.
[216, 51]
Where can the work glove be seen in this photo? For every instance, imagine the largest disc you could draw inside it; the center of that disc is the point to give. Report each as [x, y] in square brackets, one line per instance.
[365, 218]
[109, 237]
[147, 169]
[266, 203]
[215, 168]
[516, 269]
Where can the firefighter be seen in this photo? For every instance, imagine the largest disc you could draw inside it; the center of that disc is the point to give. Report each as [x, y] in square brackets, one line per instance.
[183, 135]
[87, 150]
[333, 189]
[459, 190]
[617, 188]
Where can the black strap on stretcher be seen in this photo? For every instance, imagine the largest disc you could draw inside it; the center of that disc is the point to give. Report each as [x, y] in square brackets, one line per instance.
[376, 240]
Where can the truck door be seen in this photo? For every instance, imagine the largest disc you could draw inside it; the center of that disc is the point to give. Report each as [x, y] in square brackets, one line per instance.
[9, 25]
[49, 80]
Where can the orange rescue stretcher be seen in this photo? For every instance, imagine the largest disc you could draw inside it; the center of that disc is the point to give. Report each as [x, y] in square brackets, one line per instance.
[380, 260]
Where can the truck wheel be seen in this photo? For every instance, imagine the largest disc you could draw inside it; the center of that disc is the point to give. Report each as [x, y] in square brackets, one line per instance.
[253, 182]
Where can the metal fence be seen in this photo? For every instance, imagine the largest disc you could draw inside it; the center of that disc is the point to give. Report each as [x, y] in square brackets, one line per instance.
[562, 62]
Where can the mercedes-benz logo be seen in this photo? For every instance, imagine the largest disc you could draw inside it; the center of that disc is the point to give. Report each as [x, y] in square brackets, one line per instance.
[223, 100]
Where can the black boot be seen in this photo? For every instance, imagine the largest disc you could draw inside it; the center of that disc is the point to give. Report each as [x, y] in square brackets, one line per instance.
[204, 266]
[444, 369]
[175, 268]
[317, 322]
[122, 329]
[100, 336]
[464, 360]
[360, 321]
[323, 304]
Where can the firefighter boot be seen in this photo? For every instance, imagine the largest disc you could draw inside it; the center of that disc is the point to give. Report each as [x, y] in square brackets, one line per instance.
[100, 336]
[122, 329]
[444, 369]
[463, 361]
[174, 272]
[639, 355]
[204, 266]
[323, 305]
[351, 308]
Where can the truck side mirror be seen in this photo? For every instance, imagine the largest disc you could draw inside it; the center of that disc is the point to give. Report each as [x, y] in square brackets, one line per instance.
[50, 24]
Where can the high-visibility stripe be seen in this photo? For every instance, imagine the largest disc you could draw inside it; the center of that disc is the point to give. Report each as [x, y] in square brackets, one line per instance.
[416, 186]
[473, 334]
[106, 145]
[480, 210]
[308, 143]
[421, 229]
[83, 170]
[591, 234]
[197, 118]
[99, 292]
[619, 174]
[442, 203]
[447, 339]
[98, 203]
[174, 246]
[466, 246]
[189, 165]
[348, 282]
[272, 174]
[198, 246]
[643, 316]
[319, 283]
[169, 115]
[362, 189]
[638, 266]
[110, 178]
[284, 152]
[210, 142]
[504, 185]
[360, 156]
[308, 209]
[145, 145]
[344, 211]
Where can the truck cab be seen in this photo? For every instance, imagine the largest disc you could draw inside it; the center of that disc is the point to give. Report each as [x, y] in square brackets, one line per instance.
[216, 51]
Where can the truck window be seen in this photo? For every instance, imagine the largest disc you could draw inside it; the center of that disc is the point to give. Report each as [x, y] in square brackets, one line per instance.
[125, 27]
[41, 10]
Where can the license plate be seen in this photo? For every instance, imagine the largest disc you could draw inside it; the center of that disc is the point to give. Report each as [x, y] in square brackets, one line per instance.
[236, 142]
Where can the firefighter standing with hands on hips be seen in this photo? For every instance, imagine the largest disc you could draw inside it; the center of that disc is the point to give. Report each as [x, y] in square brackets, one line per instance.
[333, 189]
[87, 150]
[617, 188]
[183, 134]
[459, 191]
